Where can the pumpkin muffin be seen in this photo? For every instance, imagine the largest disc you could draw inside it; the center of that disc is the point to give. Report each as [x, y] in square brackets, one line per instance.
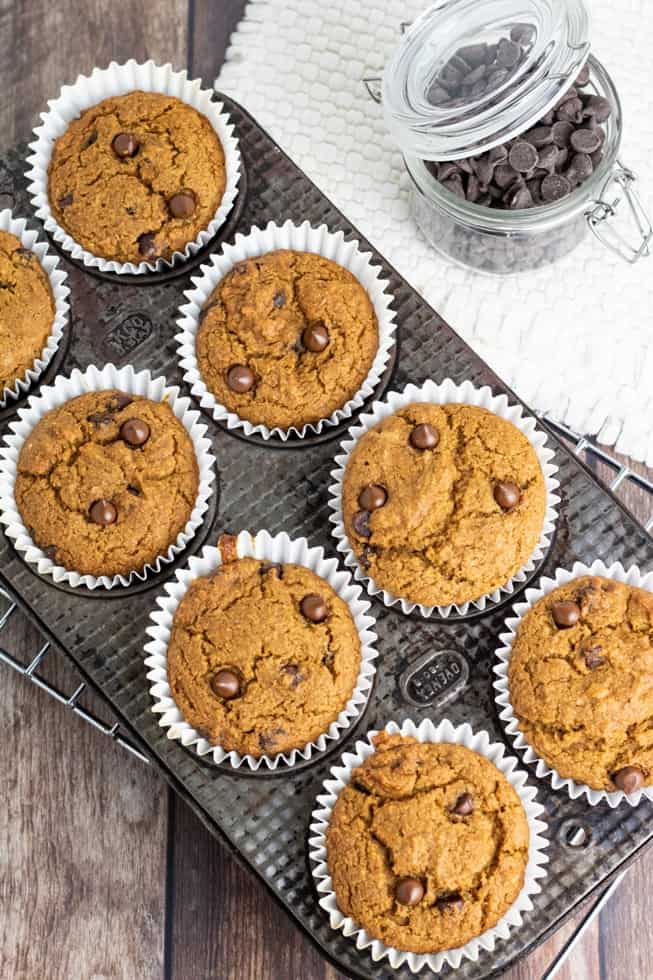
[262, 657]
[443, 504]
[137, 177]
[26, 310]
[427, 845]
[106, 482]
[286, 339]
[581, 682]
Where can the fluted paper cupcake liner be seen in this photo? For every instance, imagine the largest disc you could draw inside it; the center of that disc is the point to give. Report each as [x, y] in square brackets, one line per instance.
[630, 576]
[60, 292]
[79, 383]
[274, 548]
[444, 393]
[103, 83]
[537, 858]
[259, 241]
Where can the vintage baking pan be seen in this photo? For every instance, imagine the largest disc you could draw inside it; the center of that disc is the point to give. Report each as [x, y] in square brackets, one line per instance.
[264, 818]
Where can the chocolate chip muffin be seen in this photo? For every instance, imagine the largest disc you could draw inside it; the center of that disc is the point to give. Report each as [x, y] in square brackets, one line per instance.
[287, 339]
[581, 682]
[443, 503]
[262, 657]
[136, 177]
[427, 845]
[106, 482]
[26, 310]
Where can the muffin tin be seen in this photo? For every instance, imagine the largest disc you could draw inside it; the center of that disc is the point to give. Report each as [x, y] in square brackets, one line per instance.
[426, 669]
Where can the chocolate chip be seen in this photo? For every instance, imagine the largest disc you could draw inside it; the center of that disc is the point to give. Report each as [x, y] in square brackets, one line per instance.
[294, 673]
[518, 197]
[464, 805]
[103, 512]
[585, 140]
[554, 187]
[147, 246]
[240, 378]
[372, 496]
[507, 495]
[50, 551]
[279, 299]
[597, 107]
[508, 53]
[539, 136]
[314, 608]
[522, 33]
[65, 201]
[505, 175]
[315, 337]
[570, 111]
[360, 523]
[455, 185]
[593, 658]
[562, 132]
[135, 432]
[182, 204]
[269, 739]
[364, 557]
[522, 156]
[475, 76]
[272, 567]
[409, 891]
[629, 779]
[580, 168]
[447, 169]
[548, 158]
[583, 77]
[226, 684]
[125, 145]
[565, 613]
[484, 167]
[98, 419]
[473, 188]
[119, 401]
[424, 436]
[450, 901]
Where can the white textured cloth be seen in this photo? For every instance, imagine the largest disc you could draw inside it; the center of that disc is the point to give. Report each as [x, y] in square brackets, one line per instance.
[574, 339]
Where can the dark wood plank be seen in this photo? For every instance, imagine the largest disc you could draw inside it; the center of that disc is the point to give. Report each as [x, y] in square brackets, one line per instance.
[224, 924]
[82, 840]
[45, 45]
[209, 28]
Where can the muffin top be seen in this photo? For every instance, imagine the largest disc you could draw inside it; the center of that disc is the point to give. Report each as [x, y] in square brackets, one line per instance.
[106, 482]
[286, 339]
[136, 177]
[262, 657]
[581, 682]
[427, 845]
[443, 503]
[26, 309]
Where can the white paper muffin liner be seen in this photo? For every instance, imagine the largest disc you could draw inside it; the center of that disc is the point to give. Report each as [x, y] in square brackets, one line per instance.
[631, 576]
[273, 548]
[535, 869]
[99, 379]
[104, 83]
[441, 394]
[259, 241]
[60, 292]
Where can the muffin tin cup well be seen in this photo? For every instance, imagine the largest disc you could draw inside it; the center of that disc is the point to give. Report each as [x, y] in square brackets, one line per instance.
[103, 83]
[441, 394]
[60, 293]
[95, 379]
[259, 241]
[537, 858]
[274, 548]
[630, 576]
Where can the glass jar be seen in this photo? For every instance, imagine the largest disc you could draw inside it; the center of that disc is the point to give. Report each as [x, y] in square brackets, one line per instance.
[490, 239]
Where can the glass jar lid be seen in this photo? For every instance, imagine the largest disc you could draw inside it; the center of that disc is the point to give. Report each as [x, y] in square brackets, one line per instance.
[472, 74]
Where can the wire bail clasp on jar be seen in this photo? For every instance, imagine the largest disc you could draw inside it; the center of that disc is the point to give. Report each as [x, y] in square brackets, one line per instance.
[600, 216]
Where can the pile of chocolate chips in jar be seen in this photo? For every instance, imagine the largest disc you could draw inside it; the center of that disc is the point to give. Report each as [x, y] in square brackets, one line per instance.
[541, 166]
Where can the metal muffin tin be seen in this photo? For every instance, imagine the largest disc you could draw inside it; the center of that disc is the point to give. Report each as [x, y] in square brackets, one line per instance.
[426, 668]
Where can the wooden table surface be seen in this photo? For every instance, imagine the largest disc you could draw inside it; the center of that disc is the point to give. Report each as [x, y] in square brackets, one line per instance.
[104, 873]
